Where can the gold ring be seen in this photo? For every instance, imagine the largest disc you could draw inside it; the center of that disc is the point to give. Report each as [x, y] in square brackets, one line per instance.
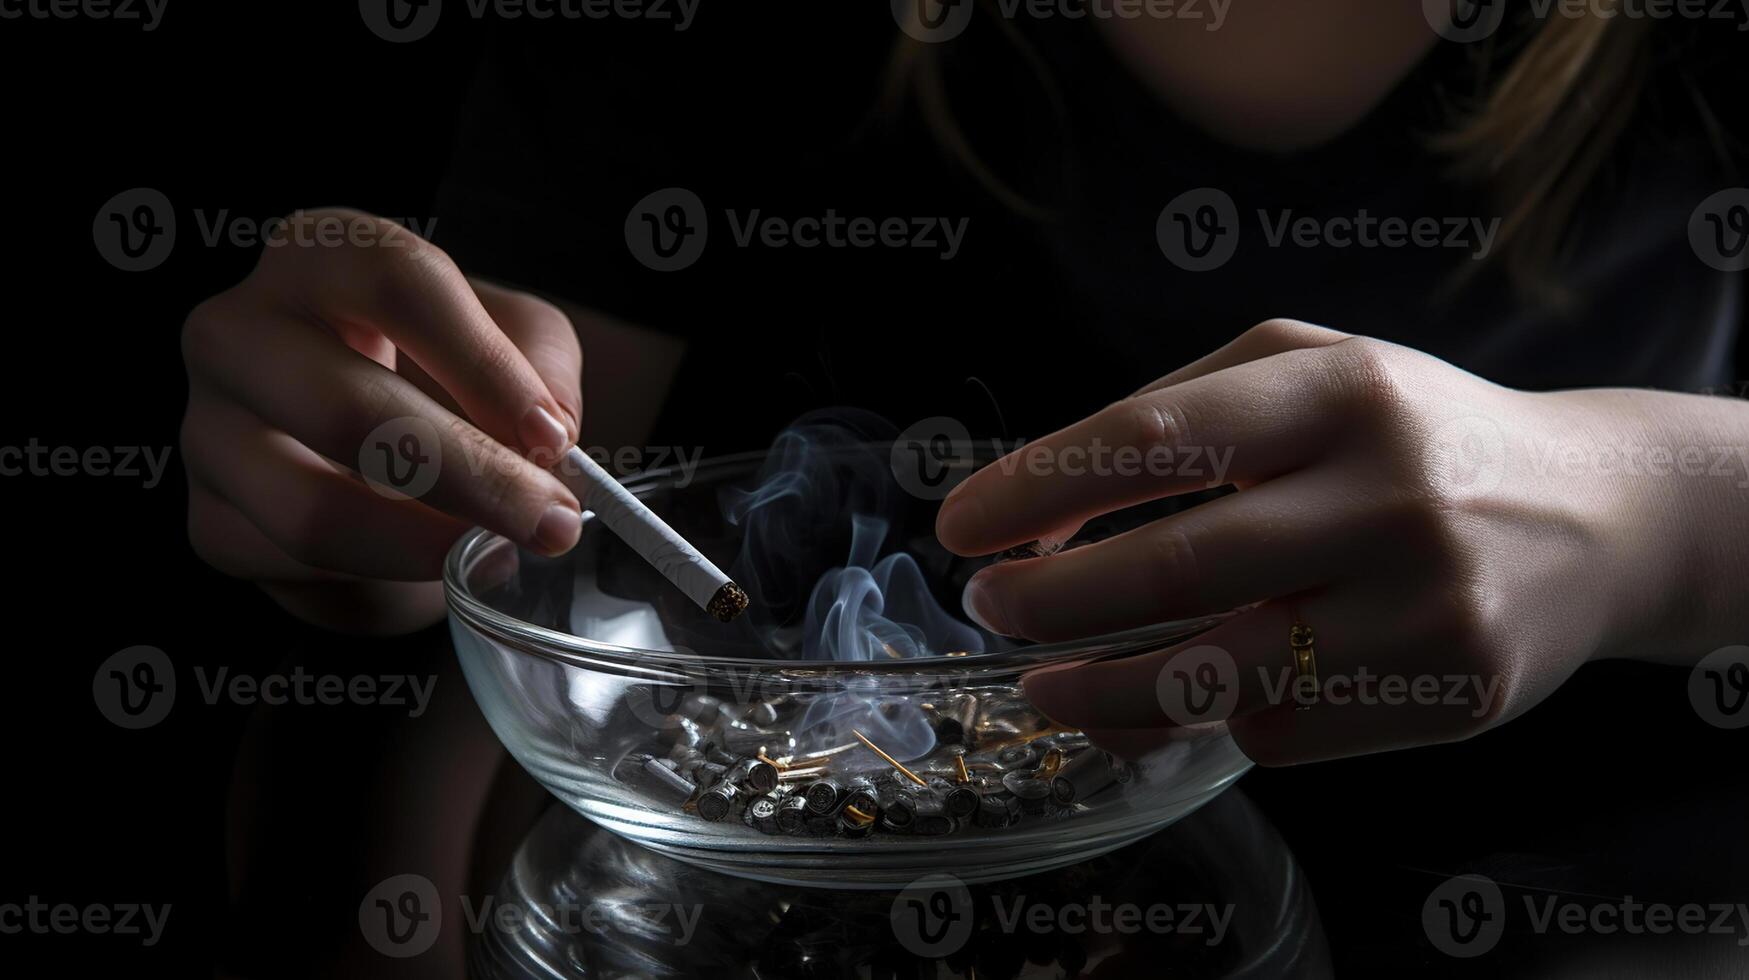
[1300, 641]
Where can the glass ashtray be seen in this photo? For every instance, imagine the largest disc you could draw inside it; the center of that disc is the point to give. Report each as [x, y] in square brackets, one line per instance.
[850, 730]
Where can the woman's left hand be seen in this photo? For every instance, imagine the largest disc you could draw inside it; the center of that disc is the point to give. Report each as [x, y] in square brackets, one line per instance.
[1457, 548]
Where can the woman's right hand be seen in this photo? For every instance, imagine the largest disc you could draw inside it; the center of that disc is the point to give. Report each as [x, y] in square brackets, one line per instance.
[353, 346]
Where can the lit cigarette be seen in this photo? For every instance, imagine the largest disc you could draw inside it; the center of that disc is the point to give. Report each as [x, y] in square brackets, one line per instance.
[651, 537]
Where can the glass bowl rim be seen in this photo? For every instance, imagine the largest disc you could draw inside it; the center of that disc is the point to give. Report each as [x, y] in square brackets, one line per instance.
[568, 648]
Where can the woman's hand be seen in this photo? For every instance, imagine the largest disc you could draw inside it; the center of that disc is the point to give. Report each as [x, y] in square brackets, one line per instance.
[1457, 548]
[340, 350]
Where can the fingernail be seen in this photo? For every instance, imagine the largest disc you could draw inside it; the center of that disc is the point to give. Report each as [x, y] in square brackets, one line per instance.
[558, 530]
[984, 607]
[540, 430]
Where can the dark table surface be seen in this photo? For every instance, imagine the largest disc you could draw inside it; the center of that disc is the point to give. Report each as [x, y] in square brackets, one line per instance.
[1600, 835]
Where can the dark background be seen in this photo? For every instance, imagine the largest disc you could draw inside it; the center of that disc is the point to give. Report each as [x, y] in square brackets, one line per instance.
[1612, 787]
[259, 108]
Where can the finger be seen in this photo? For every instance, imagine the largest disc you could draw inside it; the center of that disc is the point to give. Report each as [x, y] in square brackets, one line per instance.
[1246, 423]
[1132, 744]
[1276, 538]
[409, 290]
[1267, 338]
[546, 336]
[229, 542]
[305, 507]
[335, 402]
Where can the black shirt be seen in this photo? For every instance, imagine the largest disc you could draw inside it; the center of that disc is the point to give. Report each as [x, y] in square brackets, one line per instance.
[1052, 307]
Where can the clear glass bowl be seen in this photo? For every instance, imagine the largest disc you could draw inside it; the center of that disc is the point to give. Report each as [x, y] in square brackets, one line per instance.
[593, 670]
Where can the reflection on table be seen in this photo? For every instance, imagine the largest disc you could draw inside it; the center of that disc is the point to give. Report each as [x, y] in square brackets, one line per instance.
[1217, 894]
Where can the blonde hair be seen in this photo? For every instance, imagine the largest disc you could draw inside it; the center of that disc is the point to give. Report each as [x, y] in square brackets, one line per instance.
[1549, 109]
